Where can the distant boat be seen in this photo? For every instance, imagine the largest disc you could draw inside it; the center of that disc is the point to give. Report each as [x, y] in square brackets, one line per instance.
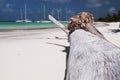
[25, 16]
[21, 17]
[26, 20]
[45, 21]
[19, 20]
[37, 21]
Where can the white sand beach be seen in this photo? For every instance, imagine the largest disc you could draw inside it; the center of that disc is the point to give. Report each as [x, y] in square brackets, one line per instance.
[111, 32]
[40, 54]
[32, 55]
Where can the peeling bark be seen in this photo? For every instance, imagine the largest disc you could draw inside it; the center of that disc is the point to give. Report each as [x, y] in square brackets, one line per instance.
[84, 21]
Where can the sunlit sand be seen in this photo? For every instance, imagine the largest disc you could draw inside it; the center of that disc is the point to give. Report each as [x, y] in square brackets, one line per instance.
[40, 54]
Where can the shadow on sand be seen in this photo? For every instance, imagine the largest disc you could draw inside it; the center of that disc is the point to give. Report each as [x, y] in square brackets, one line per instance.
[66, 50]
[115, 30]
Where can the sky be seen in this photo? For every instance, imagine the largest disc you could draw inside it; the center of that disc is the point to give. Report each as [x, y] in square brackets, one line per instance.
[12, 10]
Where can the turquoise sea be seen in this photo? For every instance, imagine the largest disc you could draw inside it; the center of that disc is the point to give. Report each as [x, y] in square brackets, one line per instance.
[27, 25]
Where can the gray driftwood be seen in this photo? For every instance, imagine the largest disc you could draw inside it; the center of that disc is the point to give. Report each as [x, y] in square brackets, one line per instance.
[61, 26]
[92, 58]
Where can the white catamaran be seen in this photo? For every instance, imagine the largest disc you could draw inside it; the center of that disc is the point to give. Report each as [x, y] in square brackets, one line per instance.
[25, 15]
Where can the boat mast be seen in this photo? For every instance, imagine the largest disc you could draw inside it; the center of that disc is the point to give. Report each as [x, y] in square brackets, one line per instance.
[21, 14]
[44, 12]
[52, 12]
[66, 14]
[25, 13]
[59, 14]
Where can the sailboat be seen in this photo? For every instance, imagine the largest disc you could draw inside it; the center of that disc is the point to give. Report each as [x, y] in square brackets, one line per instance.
[25, 16]
[25, 12]
[44, 15]
[21, 17]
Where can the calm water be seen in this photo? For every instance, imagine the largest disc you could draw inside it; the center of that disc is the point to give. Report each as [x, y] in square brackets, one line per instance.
[20, 25]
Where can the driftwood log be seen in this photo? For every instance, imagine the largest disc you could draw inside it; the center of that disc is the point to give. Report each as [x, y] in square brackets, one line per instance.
[92, 58]
[61, 26]
[83, 20]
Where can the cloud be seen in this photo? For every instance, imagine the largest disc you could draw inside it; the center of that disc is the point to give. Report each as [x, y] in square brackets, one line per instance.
[97, 3]
[93, 1]
[112, 10]
[107, 2]
[94, 5]
[61, 1]
[2, 2]
[7, 7]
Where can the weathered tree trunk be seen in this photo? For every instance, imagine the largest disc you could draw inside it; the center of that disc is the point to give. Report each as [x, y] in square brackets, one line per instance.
[92, 58]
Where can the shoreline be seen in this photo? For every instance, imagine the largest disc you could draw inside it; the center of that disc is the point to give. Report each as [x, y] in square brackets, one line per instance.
[31, 28]
[27, 29]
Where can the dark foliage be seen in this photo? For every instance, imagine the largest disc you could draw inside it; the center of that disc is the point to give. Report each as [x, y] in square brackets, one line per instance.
[111, 18]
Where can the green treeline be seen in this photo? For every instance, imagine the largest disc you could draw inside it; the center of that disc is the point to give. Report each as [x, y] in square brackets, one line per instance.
[111, 18]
